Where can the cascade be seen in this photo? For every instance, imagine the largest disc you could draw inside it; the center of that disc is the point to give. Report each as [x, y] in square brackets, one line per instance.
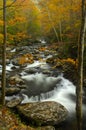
[63, 92]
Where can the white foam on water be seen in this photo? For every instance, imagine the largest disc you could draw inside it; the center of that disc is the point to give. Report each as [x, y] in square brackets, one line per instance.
[42, 41]
[35, 64]
[14, 50]
[8, 98]
[9, 66]
[62, 93]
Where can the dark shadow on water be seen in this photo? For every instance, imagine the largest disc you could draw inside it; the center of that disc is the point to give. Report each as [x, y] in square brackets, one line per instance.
[70, 125]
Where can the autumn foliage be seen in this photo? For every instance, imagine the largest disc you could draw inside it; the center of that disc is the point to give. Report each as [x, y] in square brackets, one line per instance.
[27, 58]
[22, 21]
[25, 20]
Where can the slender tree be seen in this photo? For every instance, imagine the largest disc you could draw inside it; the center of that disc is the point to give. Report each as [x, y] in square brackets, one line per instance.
[4, 53]
[80, 68]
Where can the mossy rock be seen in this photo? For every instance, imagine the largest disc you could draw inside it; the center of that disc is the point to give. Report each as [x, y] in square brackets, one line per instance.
[43, 113]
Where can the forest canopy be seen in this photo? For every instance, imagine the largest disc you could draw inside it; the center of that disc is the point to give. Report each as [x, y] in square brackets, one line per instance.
[27, 19]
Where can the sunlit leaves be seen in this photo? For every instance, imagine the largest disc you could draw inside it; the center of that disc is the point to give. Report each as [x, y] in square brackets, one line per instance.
[22, 19]
[65, 15]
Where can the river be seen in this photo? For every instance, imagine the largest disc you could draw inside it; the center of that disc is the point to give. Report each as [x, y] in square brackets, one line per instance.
[63, 92]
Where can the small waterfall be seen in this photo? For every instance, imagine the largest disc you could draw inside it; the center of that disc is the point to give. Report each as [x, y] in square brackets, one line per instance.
[63, 92]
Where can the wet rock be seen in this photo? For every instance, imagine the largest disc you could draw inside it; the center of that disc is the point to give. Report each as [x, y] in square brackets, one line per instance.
[41, 128]
[7, 61]
[36, 56]
[13, 67]
[48, 72]
[22, 86]
[11, 91]
[31, 70]
[15, 62]
[47, 128]
[16, 80]
[8, 49]
[14, 102]
[43, 113]
[50, 60]
[70, 72]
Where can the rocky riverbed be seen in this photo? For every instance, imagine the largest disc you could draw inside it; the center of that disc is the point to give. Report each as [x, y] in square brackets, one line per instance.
[36, 71]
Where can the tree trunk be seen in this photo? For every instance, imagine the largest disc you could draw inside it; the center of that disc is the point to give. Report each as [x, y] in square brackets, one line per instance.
[54, 29]
[4, 53]
[60, 30]
[80, 68]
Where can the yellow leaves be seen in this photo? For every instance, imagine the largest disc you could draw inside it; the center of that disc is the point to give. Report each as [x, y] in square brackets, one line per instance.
[1, 38]
[13, 128]
[1, 22]
[60, 10]
[64, 63]
[69, 60]
[15, 20]
[19, 19]
[9, 121]
[27, 58]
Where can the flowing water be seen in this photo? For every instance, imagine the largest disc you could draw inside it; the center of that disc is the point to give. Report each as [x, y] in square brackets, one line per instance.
[63, 92]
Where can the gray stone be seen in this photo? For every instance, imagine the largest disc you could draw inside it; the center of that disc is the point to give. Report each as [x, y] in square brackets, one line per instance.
[46, 128]
[11, 91]
[14, 102]
[31, 70]
[43, 113]
[48, 72]
[16, 80]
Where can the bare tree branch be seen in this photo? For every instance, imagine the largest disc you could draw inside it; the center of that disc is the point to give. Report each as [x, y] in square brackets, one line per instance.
[11, 5]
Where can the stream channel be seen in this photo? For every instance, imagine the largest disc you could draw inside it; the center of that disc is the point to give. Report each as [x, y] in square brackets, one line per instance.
[63, 92]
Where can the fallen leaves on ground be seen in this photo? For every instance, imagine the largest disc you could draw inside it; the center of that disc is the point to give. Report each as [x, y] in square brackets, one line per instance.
[8, 121]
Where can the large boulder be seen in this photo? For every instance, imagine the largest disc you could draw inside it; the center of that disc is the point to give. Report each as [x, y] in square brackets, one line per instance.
[43, 113]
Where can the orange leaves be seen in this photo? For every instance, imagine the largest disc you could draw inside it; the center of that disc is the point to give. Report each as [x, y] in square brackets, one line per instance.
[22, 20]
[13, 128]
[27, 58]
[42, 49]
[69, 60]
[15, 20]
[1, 38]
[21, 35]
[1, 22]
